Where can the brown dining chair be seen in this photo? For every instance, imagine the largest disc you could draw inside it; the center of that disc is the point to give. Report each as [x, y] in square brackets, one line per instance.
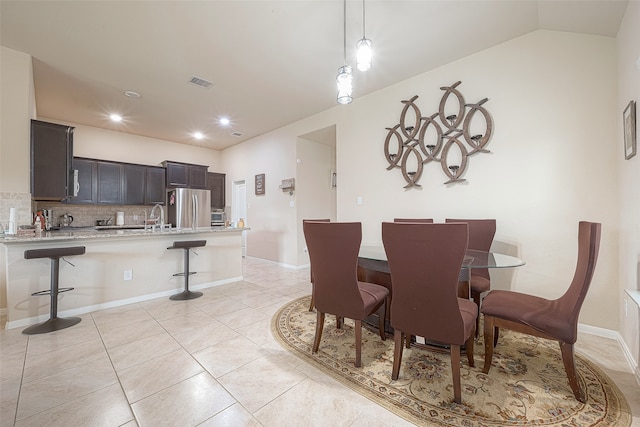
[550, 319]
[481, 233]
[419, 220]
[425, 260]
[333, 251]
[312, 303]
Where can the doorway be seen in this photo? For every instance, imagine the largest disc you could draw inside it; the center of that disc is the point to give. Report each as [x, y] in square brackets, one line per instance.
[239, 208]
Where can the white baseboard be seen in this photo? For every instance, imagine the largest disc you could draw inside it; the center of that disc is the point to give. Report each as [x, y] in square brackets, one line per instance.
[117, 303]
[289, 266]
[615, 335]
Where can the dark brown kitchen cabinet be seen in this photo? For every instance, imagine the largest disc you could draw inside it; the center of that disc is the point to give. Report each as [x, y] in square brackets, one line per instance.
[110, 183]
[185, 175]
[135, 184]
[51, 158]
[216, 184]
[87, 181]
[155, 192]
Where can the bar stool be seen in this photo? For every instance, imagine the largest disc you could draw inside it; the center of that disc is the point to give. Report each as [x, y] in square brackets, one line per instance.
[186, 246]
[54, 323]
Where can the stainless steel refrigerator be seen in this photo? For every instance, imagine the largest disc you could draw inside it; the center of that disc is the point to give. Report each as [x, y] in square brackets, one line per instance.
[189, 208]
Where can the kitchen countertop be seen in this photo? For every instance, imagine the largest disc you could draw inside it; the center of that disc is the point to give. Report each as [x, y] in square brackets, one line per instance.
[109, 232]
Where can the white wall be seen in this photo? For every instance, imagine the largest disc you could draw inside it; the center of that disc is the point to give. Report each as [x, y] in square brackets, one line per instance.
[117, 146]
[629, 178]
[316, 197]
[554, 161]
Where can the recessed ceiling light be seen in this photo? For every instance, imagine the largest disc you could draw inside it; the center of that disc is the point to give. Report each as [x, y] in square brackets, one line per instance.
[132, 94]
[224, 121]
[198, 135]
[115, 118]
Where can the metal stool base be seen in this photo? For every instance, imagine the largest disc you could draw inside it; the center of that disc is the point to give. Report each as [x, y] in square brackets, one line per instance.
[185, 295]
[53, 324]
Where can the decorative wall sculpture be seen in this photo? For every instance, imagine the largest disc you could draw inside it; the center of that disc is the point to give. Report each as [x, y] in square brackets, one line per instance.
[431, 139]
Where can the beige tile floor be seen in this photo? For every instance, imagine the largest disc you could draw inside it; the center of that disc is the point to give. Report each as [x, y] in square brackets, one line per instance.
[211, 361]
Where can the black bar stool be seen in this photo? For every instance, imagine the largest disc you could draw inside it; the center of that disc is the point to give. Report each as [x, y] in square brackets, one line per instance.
[186, 246]
[54, 323]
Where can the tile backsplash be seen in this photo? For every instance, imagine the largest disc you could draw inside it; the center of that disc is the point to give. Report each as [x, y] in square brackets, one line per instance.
[87, 215]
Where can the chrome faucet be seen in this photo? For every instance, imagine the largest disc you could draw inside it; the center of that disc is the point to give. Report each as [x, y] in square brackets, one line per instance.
[152, 216]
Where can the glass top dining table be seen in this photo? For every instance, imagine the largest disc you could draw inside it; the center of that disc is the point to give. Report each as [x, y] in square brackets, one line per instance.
[472, 258]
[373, 266]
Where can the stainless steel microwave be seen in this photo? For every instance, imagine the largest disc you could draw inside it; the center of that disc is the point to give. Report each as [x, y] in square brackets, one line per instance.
[218, 217]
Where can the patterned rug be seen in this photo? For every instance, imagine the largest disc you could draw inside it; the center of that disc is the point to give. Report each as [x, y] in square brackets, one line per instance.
[526, 385]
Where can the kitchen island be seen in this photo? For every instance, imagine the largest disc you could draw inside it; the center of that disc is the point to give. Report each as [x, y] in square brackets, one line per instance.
[119, 267]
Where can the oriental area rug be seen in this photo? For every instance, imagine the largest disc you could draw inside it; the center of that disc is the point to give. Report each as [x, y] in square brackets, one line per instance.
[526, 386]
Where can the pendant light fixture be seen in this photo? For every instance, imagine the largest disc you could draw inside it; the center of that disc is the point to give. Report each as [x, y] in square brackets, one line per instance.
[365, 48]
[345, 77]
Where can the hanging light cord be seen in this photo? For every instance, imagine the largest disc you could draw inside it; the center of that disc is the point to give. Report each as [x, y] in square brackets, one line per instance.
[344, 30]
[363, 22]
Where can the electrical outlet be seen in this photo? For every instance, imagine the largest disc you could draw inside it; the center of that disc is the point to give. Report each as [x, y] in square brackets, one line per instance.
[305, 250]
[359, 200]
[128, 275]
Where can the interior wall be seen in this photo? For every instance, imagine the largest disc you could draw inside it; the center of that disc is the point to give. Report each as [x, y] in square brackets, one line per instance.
[316, 197]
[17, 107]
[552, 97]
[629, 177]
[118, 146]
[271, 216]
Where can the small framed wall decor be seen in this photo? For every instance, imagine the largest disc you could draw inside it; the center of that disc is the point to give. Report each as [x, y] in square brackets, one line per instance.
[629, 121]
[259, 184]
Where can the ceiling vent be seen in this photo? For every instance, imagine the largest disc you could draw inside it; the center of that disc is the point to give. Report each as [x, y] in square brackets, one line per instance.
[238, 134]
[200, 82]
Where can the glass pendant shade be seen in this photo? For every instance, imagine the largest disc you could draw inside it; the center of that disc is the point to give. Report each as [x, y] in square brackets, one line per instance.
[365, 52]
[344, 80]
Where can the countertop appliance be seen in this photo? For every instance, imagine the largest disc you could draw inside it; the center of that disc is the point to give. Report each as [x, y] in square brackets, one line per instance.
[218, 218]
[189, 208]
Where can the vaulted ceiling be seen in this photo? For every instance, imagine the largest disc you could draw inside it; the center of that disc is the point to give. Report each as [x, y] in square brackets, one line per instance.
[270, 62]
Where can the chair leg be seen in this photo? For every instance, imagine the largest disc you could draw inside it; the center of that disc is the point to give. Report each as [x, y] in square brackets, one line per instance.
[570, 368]
[469, 349]
[381, 313]
[313, 302]
[319, 326]
[358, 343]
[398, 338]
[408, 343]
[489, 330]
[338, 322]
[455, 372]
[477, 299]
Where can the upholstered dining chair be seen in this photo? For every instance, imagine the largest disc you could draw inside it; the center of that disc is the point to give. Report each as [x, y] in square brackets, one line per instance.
[333, 251]
[481, 233]
[312, 303]
[419, 220]
[551, 319]
[425, 260]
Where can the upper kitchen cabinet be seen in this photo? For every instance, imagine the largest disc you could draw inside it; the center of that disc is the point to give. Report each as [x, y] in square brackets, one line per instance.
[155, 193]
[216, 183]
[110, 183]
[185, 175]
[87, 181]
[135, 184]
[51, 159]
